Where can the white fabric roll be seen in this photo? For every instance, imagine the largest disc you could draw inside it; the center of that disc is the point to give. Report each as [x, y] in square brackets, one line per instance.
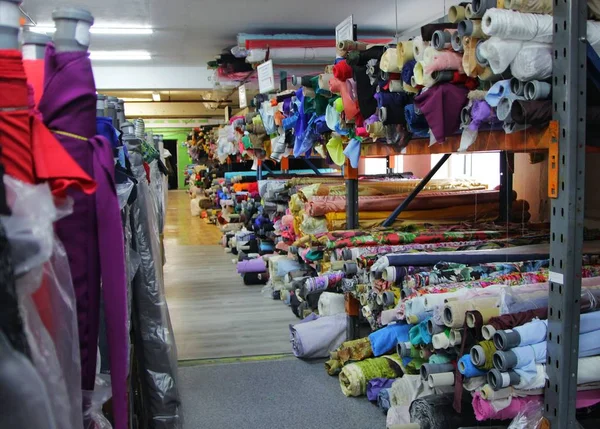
[500, 53]
[389, 316]
[419, 48]
[508, 24]
[533, 62]
[440, 341]
[293, 55]
[331, 304]
[442, 379]
[389, 61]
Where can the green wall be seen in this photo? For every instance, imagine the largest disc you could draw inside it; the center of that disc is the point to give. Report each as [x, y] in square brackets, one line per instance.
[183, 159]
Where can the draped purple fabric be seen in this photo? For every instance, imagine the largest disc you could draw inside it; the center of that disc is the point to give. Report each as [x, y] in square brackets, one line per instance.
[92, 234]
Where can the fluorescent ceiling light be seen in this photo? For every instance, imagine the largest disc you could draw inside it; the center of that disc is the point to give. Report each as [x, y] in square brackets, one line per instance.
[155, 96]
[123, 31]
[120, 55]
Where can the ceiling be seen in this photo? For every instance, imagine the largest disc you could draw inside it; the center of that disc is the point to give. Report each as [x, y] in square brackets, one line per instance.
[191, 32]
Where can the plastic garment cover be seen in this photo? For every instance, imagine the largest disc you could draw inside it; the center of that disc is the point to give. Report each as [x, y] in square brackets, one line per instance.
[25, 403]
[156, 188]
[154, 339]
[93, 414]
[42, 270]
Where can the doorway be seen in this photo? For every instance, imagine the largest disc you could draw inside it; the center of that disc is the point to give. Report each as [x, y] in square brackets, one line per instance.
[171, 146]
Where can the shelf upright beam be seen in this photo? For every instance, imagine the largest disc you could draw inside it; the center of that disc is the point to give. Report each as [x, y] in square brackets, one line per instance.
[507, 168]
[390, 220]
[259, 169]
[351, 176]
[285, 165]
[566, 237]
[312, 166]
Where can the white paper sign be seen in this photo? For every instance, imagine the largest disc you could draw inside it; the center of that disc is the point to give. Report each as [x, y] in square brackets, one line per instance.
[345, 30]
[243, 99]
[266, 81]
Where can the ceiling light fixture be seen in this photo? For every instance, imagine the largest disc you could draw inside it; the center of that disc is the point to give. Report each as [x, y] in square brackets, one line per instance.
[156, 96]
[125, 31]
[120, 55]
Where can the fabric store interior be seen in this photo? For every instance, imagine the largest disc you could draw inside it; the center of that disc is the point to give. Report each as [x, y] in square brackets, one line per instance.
[371, 215]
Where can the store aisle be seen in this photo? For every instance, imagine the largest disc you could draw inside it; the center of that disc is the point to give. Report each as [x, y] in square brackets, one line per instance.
[281, 394]
[214, 314]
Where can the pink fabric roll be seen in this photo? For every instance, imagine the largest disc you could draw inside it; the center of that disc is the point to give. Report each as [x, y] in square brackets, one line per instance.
[321, 205]
[445, 60]
[345, 90]
[484, 411]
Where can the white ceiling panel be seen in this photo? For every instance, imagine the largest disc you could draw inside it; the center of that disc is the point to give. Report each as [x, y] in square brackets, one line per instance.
[191, 32]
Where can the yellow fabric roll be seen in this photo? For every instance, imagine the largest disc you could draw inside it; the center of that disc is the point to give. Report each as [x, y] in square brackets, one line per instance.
[409, 88]
[418, 73]
[456, 14]
[376, 129]
[477, 31]
[458, 308]
[389, 61]
[405, 53]
[336, 221]
[470, 65]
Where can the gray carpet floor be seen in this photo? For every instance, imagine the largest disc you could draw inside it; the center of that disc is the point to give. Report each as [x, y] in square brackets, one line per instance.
[278, 394]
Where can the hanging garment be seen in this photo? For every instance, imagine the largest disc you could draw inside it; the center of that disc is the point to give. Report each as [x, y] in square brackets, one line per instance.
[154, 340]
[92, 235]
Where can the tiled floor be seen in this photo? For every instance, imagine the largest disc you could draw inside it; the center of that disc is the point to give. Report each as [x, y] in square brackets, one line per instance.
[213, 313]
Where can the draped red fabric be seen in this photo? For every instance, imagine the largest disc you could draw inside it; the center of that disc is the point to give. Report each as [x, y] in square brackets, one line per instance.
[34, 69]
[30, 152]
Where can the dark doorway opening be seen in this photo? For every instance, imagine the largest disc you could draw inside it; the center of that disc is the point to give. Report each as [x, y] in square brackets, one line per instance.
[171, 146]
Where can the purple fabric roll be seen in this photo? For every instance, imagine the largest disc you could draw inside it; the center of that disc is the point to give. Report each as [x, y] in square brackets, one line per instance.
[257, 265]
[441, 105]
[482, 114]
[375, 385]
[92, 234]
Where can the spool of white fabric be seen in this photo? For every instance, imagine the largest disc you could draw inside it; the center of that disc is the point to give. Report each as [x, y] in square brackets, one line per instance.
[413, 81]
[440, 341]
[441, 379]
[533, 62]
[418, 73]
[367, 312]
[389, 61]
[499, 52]
[419, 48]
[293, 55]
[324, 81]
[331, 304]
[508, 24]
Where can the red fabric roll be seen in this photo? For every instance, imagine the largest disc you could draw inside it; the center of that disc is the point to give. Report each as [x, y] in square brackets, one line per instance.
[342, 71]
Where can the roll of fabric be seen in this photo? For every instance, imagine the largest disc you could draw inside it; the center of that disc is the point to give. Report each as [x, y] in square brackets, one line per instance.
[508, 24]
[532, 62]
[349, 351]
[535, 112]
[456, 14]
[257, 265]
[398, 417]
[468, 369]
[323, 282]
[255, 278]
[469, 60]
[419, 46]
[396, 86]
[350, 45]
[479, 7]
[454, 312]
[389, 61]
[383, 398]
[536, 90]
[443, 379]
[441, 60]
[408, 71]
[386, 339]
[441, 105]
[418, 74]
[457, 42]
[317, 338]
[441, 39]
[427, 369]
[405, 53]
[500, 53]
[331, 304]
[324, 80]
[342, 71]
[530, 6]
[436, 412]
[375, 385]
[354, 377]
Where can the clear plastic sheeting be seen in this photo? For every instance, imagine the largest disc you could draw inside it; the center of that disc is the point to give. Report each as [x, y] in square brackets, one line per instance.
[46, 297]
[156, 186]
[95, 400]
[154, 339]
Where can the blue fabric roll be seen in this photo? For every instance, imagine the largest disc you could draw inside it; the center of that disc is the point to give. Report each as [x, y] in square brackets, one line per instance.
[408, 71]
[417, 124]
[383, 399]
[467, 257]
[386, 339]
[425, 335]
[375, 386]
[469, 369]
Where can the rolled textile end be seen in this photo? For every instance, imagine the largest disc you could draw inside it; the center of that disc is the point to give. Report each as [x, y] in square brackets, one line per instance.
[409, 88]
[403, 349]
[296, 80]
[487, 332]
[501, 380]
[364, 299]
[440, 76]
[481, 60]
[418, 73]
[413, 81]
[457, 42]
[434, 328]
[413, 319]
[506, 339]
[441, 380]
[480, 6]
[376, 129]
[504, 108]
[455, 337]
[465, 116]
[388, 298]
[350, 45]
[517, 86]
[389, 274]
[465, 28]
[441, 39]
[477, 355]
[430, 368]
[440, 341]
[505, 360]
[488, 75]
[536, 90]
[469, 11]
[396, 86]
[405, 53]
[456, 14]
[367, 312]
[350, 268]
[347, 254]
[379, 300]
